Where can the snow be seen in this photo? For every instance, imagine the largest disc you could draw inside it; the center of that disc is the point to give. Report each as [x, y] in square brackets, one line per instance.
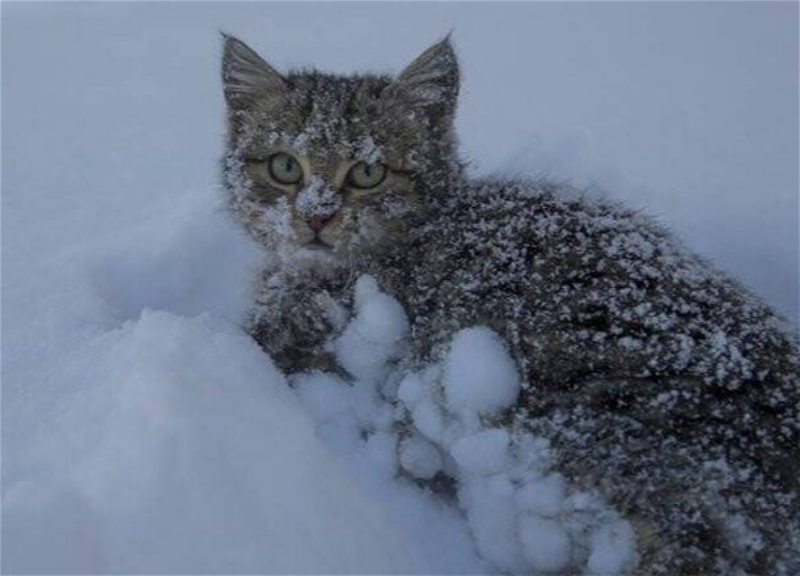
[182, 448]
[483, 453]
[428, 417]
[546, 544]
[524, 517]
[375, 335]
[612, 549]
[420, 458]
[144, 433]
[543, 497]
[326, 397]
[316, 199]
[479, 375]
[493, 518]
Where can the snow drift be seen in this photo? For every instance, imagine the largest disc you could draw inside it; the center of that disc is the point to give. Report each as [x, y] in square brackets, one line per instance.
[168, 442]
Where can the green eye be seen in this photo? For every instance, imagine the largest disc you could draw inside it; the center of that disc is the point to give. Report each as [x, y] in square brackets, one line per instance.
[364, 175]
[285, 169]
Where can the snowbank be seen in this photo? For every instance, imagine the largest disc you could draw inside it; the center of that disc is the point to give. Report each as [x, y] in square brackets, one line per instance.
[183, 450]
[144, 432]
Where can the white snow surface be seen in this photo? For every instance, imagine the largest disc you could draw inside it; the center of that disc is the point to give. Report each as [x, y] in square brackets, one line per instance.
[480, 377]
[160, 441]
[143, 432]
[179, 448]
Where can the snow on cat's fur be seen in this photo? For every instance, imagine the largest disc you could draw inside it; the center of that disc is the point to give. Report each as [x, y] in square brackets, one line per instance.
[659, 381]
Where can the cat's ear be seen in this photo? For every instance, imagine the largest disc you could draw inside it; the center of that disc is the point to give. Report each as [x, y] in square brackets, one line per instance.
[248, 81]
[430, 81]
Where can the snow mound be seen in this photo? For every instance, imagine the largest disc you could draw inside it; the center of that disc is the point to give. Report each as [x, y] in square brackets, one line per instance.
[182, 449]
[188, 260]
[142, 440]
[166, 441]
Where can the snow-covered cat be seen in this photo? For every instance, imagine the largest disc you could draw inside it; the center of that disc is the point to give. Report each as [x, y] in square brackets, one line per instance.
[659, 381]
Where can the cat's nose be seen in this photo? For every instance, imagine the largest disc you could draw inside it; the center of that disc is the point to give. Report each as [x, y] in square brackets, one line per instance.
[317, 223]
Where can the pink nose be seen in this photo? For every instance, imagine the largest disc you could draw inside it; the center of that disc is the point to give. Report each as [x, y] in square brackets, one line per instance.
[317, 223]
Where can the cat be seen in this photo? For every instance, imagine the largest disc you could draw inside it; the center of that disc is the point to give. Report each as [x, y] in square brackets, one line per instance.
[659, 380]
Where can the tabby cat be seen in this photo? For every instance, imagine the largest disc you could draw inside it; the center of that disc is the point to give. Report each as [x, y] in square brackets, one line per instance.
[660, 381]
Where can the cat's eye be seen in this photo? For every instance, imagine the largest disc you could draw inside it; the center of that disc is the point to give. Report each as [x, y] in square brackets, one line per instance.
[365, 175]
[285, 169]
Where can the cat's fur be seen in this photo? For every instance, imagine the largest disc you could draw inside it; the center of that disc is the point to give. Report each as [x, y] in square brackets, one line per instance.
[660, 381]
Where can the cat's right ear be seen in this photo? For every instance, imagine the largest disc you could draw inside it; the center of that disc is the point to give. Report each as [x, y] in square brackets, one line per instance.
[248, 81]
[430, 82]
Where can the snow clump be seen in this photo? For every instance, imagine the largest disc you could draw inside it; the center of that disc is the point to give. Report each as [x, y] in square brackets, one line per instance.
[375, 334]
[444, 421]
[479, 375]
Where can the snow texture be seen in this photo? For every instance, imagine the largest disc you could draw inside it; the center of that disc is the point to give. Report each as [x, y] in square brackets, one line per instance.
[480, 377]
[168, 442]
[180, 448]
[375, 335]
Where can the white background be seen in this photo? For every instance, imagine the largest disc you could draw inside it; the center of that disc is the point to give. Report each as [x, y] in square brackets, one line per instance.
[688, 111]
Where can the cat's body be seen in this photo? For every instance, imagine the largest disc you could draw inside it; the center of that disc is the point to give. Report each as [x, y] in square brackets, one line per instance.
[661, 382]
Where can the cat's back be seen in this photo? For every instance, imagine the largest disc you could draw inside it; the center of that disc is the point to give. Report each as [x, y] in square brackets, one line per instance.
[582, 286]
[626, 342]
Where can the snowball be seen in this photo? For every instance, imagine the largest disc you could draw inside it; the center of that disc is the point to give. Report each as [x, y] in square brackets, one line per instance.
[532, 451]
[583, 502]
[410, 390]
[546, 544]
[613, 549]
[492, 515]
[429, 420]
[479, 374]
[366, 287]
[415, 392]
[419, 457]
[544, 496]
[330, 402]
[381, 320]
[375, 334]
[483, 453]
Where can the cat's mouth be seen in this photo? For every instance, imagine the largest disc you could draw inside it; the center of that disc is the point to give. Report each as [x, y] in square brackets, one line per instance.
[318, 244]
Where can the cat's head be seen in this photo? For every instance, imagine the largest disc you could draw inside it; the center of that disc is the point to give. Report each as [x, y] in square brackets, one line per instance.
[339, 164]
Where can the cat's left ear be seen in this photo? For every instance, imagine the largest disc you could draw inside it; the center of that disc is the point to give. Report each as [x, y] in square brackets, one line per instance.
[431, 81]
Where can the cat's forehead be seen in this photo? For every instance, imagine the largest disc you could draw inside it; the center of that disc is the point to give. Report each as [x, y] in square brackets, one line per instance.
[328, 114]
[336, 93]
